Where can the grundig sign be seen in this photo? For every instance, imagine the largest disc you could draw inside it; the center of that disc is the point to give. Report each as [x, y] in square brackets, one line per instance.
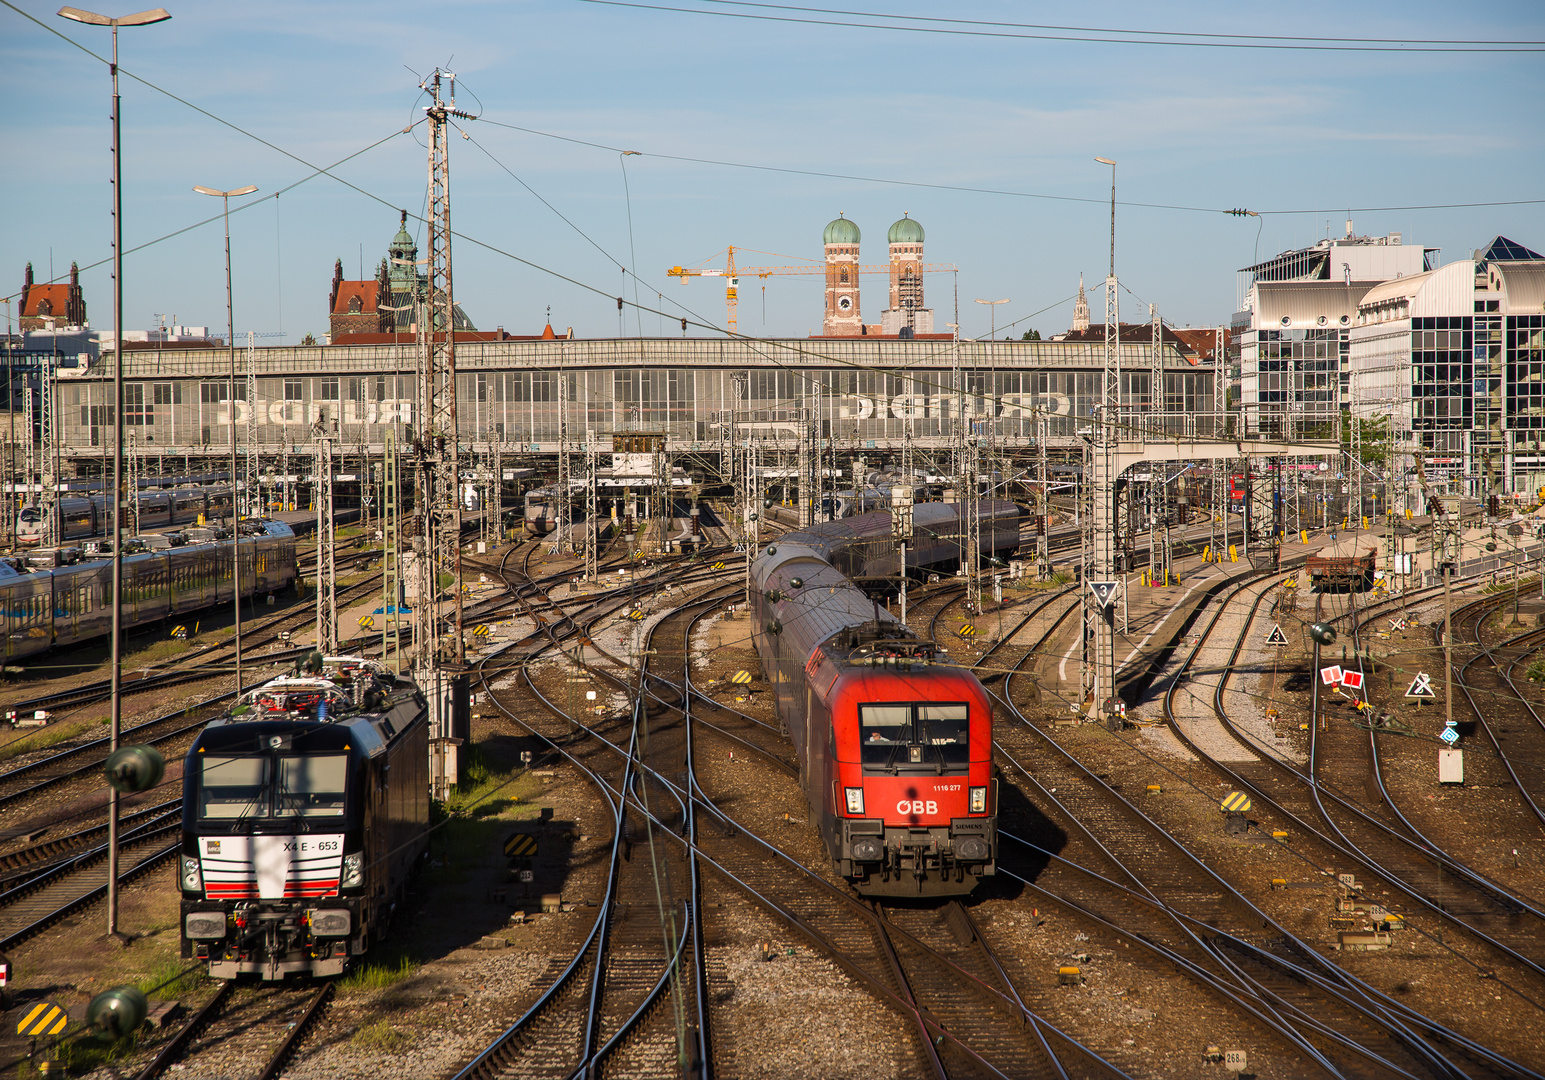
[306, 413]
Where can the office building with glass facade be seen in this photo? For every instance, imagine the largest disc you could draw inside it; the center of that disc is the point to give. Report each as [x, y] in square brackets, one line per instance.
[1455, 356]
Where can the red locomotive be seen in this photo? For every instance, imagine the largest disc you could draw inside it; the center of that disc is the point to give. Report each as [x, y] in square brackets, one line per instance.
[894, 741]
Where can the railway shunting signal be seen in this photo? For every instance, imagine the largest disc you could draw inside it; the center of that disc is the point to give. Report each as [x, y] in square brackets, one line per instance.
[44, 1018]
[520, 846]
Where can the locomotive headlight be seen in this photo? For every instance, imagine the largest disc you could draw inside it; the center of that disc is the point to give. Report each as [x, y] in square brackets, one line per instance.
[979, 800]
[855, 800]
[331, 923]
[353, 871]
[204, 925]
[192, 876]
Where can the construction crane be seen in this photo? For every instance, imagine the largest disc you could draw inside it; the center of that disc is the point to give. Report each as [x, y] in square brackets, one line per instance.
[732, 275]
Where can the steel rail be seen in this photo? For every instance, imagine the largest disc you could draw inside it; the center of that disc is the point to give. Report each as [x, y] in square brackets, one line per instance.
[1245, 985]
[794, 919]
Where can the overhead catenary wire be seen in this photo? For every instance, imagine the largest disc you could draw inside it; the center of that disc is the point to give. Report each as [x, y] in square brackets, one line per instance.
[492, 248]
[1006, 192]
[1169, 40]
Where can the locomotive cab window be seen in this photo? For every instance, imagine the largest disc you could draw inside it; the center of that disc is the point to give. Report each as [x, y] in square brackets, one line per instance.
[311, 786]
[905, 737]
[233, 787]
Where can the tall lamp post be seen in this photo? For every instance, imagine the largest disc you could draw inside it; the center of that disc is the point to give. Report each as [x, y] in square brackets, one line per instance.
[230, 341]
[142, 18]
[992, 306]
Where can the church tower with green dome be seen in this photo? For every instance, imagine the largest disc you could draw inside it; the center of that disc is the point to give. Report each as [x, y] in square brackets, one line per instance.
[843, 318]
[906, 311]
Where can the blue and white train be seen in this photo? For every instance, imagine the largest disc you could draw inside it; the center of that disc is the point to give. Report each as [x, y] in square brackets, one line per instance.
[42, 609]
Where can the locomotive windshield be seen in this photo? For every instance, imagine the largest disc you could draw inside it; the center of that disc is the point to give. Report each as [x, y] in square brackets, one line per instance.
[246, 788]
[928, 733]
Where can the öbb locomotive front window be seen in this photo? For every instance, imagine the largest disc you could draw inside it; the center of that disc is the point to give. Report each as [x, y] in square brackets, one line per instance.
[944, 729]
[907, 737]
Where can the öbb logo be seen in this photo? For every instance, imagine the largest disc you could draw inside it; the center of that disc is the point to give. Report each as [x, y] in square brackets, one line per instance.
[917, 806]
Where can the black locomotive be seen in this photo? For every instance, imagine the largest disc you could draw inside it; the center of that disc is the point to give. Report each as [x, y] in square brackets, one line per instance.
[305, 810]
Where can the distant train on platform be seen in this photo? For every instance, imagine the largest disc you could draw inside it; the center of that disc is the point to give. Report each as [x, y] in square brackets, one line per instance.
[84, 516]
[894, 741]
[305, 814]
[42, 609]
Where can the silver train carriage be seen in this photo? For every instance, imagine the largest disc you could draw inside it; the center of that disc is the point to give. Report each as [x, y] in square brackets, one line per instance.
[84, 516]
[47, 608]
[543, 505]
[305, 811]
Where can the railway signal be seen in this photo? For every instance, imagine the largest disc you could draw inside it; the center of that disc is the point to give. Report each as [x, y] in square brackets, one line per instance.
[521, 845]
[1234, 806]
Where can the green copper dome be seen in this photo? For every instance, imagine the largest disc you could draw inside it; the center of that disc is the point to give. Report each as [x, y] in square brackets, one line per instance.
[905, 231]
[841, 231]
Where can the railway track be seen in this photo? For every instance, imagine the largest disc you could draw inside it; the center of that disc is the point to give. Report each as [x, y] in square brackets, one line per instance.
[899, 964]
[1130, 873]
[241, 1024]
[207, 664]
[1332, 851]
[1309, 800]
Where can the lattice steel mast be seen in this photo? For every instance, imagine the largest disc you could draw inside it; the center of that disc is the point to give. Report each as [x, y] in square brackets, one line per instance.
[438, 494]
[1099, 680]
[257, 510]
[327, 569]
[48, 497]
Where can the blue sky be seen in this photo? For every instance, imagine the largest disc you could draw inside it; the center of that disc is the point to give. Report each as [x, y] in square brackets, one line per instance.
[1268, 130]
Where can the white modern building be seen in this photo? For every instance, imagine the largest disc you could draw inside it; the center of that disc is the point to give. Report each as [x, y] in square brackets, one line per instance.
[1295, 318]
[1455, 356]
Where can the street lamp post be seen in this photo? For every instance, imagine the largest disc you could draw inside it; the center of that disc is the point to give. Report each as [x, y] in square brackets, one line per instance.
[992, 394]
[992, 306]
[230, 341]
[142, 18]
